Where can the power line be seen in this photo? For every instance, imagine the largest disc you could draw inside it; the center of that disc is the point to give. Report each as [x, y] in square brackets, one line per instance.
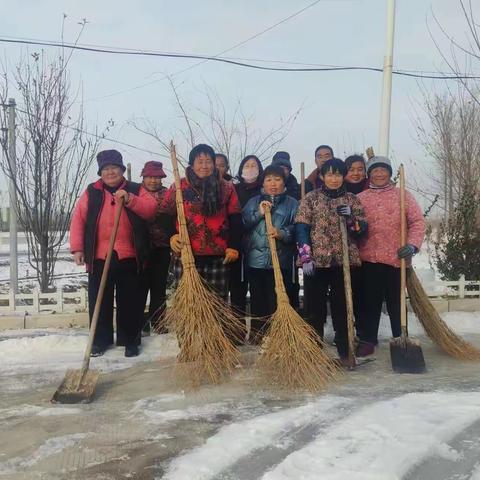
[132, 52]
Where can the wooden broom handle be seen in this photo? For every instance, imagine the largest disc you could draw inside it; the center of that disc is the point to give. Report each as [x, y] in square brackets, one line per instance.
[403, 241]
[302, 179]
[101, 289]
[188, 260]
[277, 272]
[347, 281]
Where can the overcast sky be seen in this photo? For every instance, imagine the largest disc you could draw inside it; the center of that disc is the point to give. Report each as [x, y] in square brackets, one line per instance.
[340, 108]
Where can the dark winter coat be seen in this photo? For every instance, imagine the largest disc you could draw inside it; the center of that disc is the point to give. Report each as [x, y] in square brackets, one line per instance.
[293, 187]
[257, 250]
[246, 191]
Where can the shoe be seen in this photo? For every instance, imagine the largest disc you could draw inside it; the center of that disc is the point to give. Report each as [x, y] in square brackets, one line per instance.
[97, 351]
[365, 349]
[132, 351]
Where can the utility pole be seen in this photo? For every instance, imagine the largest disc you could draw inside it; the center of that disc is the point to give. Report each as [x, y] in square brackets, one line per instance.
[13, 196]
[384, 140]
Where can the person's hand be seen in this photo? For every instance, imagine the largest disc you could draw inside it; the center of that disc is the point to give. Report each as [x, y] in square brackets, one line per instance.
[273, 232]
[175, 243]
[264, 204]
[79, 258]
[308, 268]
[407, 251]
[231, 255]
[344, 211]
[123, 194]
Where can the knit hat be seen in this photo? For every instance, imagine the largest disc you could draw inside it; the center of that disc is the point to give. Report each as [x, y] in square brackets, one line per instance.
[275, 170]
[109, 157]
[198, 150]
[153, 169]
[282, 159]
[379, 161]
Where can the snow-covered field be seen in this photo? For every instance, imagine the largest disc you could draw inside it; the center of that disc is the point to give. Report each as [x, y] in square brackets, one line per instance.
[373, 424]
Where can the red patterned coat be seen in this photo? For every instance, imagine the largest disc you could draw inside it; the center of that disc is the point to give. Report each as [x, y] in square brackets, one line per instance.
[382, 209]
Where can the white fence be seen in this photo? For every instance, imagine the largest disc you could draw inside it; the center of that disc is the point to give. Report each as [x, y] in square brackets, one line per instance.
[74, 302]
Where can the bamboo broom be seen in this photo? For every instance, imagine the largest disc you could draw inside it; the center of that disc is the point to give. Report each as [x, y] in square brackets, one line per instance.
[294, 356]
[204, 323]
[436, 329]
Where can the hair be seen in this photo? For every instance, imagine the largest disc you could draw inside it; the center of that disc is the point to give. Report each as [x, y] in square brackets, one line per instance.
[349, 161]
[326, 147]
[225, 159]
[245, 160]
[275, 170]
[334, 165]
[198, 150]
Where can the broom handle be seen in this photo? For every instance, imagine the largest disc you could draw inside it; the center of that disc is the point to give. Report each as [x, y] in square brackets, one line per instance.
[277, 272]
[101, 290]
[187, 258]
[302, 179]
[403, 241]
[348, 289]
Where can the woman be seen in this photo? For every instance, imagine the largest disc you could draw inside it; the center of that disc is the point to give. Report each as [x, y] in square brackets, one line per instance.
[213, 219]
[160, 230]
[319, 243]
[263, 300]
[356, 178]
[90, 232]
[248, 184]
[380, 250]
[223, 166]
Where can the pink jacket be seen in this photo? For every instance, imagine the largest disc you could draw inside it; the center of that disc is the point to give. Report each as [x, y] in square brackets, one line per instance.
[382, 209]
[144, 205]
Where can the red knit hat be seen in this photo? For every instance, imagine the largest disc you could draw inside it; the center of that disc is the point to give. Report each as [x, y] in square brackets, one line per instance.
[153, 169]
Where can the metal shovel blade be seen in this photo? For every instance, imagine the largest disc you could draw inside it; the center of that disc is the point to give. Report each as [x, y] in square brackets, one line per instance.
[78, 386]
[407, 356]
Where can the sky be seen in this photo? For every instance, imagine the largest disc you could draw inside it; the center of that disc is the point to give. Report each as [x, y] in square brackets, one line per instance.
[338, 108]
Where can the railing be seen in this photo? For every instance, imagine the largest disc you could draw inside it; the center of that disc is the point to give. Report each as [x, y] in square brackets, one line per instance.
[73, 302]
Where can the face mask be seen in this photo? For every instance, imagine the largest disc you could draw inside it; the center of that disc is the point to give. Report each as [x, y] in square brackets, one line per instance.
[250, 175]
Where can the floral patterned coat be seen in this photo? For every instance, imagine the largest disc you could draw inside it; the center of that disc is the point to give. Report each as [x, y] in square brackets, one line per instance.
[319, 212]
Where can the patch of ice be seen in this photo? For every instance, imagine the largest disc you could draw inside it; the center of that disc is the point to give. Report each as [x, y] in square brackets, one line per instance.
[476, 472]
[19, 411]
[243, 438]
[58, 411]
[383, 441]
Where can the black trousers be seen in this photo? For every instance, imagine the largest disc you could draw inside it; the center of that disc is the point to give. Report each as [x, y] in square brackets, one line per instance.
[155, 281]
[238, 285]
[123, 280]
[263, 299]
[323, 282]
[379, 282]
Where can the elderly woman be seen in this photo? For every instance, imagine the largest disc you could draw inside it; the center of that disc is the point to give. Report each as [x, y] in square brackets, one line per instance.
[90, 232]
[160, 230]
[319, 243]
[213, 219]
[263, 300]
[380, 250]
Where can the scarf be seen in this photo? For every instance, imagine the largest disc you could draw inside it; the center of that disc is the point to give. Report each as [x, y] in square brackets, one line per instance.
[339, 192]
[209, 190]
[356, 188]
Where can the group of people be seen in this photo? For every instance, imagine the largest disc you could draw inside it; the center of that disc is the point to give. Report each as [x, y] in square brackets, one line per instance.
[229, 238]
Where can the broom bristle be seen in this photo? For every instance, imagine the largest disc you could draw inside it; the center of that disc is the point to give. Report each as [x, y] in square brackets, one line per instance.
[294, 356]
[206, 330]
[436, 329]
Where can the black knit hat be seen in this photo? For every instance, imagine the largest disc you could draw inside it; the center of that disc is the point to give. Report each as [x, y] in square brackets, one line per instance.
[109, 157]
[198, 150]
[275, 170]
[282, 159]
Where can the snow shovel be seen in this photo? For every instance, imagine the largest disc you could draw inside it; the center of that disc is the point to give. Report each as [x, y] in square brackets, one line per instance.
[352, 361]
[406, 354]
[78, 386]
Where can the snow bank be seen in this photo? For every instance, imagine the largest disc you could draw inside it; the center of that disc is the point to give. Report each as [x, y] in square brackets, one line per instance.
[243, 438]
[383, 441]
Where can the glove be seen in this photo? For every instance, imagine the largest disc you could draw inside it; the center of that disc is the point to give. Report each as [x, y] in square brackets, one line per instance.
[231, 255]
[344, 211]
[308, 268]
[175, 243]
[407, 251]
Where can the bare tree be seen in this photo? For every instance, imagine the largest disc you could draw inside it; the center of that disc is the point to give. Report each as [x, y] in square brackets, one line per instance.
[53, 155]
[229, 131]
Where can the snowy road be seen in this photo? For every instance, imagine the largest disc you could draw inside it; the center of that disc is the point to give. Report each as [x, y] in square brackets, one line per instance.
[373, 425]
